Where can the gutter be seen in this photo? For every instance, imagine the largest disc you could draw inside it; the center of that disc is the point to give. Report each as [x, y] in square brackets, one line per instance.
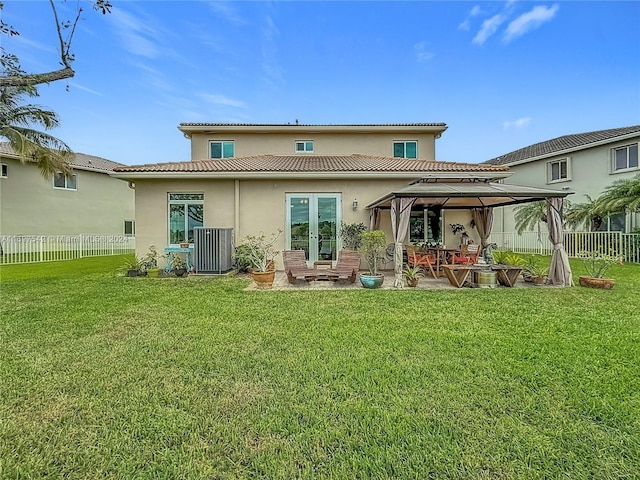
[302, 175]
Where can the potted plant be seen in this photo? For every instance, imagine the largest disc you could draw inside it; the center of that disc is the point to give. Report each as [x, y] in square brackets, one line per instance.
[458, 228]
[150, 262]
[535, 271]
[242, 258]
[179, 265]
[261, 253]
[132, 265]
[412, 275]
[351, 233]
[373, 248]
[597, 265]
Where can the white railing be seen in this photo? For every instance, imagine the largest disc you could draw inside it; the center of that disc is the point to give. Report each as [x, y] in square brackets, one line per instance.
[47, 248]
[611, 243]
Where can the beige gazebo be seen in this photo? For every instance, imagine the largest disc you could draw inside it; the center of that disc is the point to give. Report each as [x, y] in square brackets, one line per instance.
[479, 195]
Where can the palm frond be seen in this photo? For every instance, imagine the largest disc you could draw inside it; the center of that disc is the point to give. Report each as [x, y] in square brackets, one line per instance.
[529, 216]
[17, 122]
[622, 195]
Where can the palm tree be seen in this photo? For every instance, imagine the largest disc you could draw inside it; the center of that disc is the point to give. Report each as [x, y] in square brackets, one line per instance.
[529, 216]
[589, 213]
[622, 195]
[16, 126]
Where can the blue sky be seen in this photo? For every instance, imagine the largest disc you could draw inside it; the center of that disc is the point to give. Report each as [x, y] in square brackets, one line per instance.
[502, 75]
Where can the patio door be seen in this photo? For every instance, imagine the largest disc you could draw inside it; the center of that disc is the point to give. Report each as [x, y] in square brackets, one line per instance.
[312, 224]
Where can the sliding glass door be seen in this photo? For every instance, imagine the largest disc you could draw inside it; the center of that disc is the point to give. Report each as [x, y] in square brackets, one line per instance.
[312, 224]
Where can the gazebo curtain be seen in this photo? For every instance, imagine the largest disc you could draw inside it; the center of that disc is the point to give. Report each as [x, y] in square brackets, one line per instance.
[483, 218]
[559, 270]
[400, 215]
[374, 219]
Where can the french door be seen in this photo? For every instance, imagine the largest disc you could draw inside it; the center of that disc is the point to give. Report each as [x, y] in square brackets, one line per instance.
[312, 224]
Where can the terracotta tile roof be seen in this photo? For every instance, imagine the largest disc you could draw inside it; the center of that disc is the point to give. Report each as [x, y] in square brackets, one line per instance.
[311, 163]
[577, 141]
[76, 160]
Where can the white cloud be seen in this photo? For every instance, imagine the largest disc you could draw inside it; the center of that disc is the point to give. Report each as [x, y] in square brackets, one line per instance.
[270, 65]
[421, 52]
[137, 36]
[520, 123]
[529, 21]
[228, 12]
[84, 89]
[466, 24]
[217, 99]
[488, 28]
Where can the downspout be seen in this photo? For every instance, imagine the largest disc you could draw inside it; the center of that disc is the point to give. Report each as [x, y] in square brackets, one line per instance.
[236, 209]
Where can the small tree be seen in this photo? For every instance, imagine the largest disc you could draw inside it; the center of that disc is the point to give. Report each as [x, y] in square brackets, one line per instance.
[351, 235]
[373, 248]
[261, 250]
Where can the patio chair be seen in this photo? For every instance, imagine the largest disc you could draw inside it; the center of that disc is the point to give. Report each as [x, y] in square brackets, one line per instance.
[425, 261]
[468, 255]
[295, 265]
[347, 266]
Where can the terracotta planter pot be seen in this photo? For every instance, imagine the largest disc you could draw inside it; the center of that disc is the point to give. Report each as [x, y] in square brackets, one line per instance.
[412, 282]
[605, 283]
[539, 280]
[264, 280]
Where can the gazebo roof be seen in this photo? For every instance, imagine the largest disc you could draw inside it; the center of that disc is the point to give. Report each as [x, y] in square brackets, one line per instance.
[465, 193]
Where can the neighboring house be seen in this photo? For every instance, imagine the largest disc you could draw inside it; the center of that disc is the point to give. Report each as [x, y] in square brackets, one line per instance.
[585, 163]
[301, 179]
[88, 200]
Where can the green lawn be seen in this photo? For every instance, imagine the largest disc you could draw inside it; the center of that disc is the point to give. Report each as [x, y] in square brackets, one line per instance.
[111, 377]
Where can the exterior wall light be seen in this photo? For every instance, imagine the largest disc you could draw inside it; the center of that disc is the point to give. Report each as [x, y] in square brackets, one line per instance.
[354, 205]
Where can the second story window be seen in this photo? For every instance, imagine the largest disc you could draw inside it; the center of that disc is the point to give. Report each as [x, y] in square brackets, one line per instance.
[405, 149]
[222, 149]
[558, 170]
[4, 173]
[304, 146]
[68, 182]
[625, 158]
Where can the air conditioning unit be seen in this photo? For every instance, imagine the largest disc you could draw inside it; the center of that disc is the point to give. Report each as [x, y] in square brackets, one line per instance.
[212, 248]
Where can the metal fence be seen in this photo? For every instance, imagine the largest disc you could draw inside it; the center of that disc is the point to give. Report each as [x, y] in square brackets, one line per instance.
[47, 248]
[610, 243]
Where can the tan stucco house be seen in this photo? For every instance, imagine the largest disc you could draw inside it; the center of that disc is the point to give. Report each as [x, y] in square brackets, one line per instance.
[86, 201]
[301, 179]
[585, 163]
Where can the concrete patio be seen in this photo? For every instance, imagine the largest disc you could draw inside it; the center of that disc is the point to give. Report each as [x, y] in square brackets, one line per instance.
[426, 283]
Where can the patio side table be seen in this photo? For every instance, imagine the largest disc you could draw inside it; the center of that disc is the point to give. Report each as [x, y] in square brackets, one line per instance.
[171, 251]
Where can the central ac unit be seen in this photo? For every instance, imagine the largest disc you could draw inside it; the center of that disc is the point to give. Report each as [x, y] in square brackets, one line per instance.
[212, 248]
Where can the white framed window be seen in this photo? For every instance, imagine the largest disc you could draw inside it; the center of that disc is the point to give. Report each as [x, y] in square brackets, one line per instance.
[186, 211]
[304, 146]
[129, 228]
[4, 170]
[222, 149]
[65, 182]
[405, 149]
[624, 158]
[559, 170]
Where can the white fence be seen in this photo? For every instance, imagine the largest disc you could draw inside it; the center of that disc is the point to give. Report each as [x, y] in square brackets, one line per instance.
[611, 243]
[47, 248]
